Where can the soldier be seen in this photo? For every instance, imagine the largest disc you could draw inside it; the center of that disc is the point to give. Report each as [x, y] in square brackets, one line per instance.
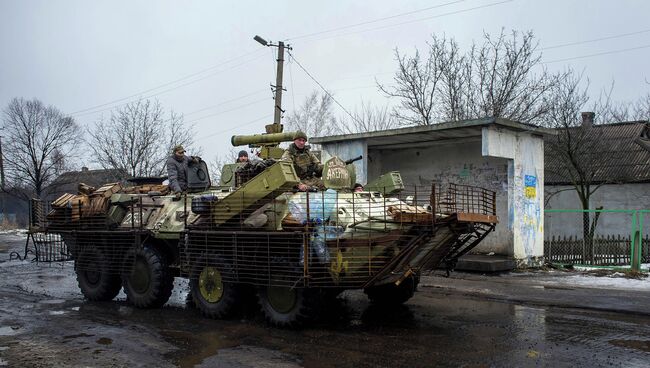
[242, 157]
[306, 164]
[177, 166]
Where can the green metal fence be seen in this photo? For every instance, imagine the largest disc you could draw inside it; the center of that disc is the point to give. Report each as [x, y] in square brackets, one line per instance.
[597, 237]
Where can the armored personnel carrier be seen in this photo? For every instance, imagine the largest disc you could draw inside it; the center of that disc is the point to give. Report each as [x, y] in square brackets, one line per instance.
[259, 236]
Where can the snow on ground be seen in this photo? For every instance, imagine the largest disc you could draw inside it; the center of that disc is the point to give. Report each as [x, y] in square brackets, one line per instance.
[616, 281]
[19, 232]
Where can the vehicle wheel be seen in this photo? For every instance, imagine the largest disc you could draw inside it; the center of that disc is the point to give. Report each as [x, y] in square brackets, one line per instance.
[391, 294]
[150, 283]
[93, 276]
[288, 307]
[210, 293]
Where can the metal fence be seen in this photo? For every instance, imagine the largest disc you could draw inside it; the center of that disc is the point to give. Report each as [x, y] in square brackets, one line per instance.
[597, 237]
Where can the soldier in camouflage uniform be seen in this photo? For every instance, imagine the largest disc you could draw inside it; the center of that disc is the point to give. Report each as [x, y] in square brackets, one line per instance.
[306, 164]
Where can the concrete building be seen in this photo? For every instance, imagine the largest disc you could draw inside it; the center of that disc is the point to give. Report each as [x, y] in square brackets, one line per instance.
[497, 154]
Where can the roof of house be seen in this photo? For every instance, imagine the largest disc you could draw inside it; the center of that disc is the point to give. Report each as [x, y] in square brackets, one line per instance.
[427, 133]
[607, 153]
[68, 182]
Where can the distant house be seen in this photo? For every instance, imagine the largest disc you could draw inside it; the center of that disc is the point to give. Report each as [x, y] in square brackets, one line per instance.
[616, 158]
[68, 182]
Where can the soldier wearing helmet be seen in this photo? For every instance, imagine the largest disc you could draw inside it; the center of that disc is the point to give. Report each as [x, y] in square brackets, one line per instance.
[306, 164]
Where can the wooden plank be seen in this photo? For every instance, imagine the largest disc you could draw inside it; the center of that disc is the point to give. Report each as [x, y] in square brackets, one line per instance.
[477, 217]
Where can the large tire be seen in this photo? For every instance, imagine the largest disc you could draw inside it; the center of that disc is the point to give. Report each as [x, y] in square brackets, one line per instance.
[288, 307]
[95, 280]
[391, 294]
[150, 282]
[214, 297]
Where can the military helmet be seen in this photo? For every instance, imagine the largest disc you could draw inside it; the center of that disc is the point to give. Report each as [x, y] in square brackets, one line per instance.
[300, 134]
[242, 153]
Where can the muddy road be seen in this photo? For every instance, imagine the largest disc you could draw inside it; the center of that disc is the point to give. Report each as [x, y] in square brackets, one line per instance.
[44, 322]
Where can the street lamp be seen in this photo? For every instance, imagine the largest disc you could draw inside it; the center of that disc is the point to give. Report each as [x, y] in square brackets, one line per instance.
[260, 40]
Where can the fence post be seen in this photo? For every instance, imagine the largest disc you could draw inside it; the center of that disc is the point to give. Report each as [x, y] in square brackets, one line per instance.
[636, 240]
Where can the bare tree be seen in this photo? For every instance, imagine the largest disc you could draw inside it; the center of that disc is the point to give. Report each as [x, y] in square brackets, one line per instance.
[641, 108]
[416, 85]
[493, 79]
[38, 142]
[368, 119]
[315, 116]
[216, 166]
[137, 138]
[575, 155]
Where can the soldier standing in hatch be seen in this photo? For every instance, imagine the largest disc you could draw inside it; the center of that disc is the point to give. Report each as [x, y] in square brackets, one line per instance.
[306, 164]
[242, 158]
[177, 166]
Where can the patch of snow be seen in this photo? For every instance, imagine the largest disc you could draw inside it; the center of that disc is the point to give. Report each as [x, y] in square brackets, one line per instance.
[9, 331]
[618, 283]
[14, 232]
[14, 263]
[57, 313]
[3, 363]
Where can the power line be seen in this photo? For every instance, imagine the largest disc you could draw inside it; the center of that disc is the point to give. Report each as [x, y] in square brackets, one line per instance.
[226, 102]
[166, 90]
[373, 21]
[79, 112]
[229, 110]
[321, 86]
[597, 54]
[236, 127]
[596, 39]
[417, 20]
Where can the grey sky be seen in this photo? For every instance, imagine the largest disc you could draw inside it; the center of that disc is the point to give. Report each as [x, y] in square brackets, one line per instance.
[80, 54]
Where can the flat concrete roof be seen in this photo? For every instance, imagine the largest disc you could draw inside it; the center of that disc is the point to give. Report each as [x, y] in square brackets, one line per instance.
[451, 130]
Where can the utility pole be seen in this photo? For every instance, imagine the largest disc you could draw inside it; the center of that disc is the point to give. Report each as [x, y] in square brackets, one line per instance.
[276, 127]
[278, 85]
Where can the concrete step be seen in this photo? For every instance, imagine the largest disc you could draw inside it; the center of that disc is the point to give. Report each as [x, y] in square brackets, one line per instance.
[485, 263]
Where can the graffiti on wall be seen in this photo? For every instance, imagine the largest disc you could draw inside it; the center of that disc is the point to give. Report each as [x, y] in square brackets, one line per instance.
[531, 213]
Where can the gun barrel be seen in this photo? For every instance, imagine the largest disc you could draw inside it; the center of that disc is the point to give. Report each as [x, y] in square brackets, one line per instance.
[353, 160]
[259, 139]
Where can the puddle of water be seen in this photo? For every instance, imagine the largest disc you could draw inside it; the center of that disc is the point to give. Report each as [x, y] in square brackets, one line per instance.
[250, 356]
[643, 345]
[201, 346]
[9, 331]
[125, 311]
[104, 341]
[52, 301]
[57, 313]
[77, 335]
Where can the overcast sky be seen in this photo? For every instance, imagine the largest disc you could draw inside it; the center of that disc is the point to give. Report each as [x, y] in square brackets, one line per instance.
[198, 57]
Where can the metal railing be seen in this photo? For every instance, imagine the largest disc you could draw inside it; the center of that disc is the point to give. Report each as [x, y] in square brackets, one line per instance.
[610, 238]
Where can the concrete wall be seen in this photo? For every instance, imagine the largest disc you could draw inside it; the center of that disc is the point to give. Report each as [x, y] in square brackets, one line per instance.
[348, 150]
[455, 162]
[525, 189]
[610, 197]
[504, 160]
